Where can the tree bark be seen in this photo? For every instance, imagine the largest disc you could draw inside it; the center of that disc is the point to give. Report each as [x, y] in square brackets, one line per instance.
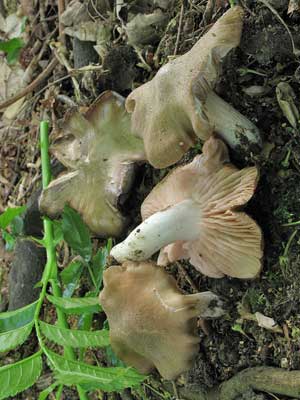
[265, 379]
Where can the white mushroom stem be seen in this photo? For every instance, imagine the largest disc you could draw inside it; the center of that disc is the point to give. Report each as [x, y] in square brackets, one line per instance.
[231, 125]
[180, 222]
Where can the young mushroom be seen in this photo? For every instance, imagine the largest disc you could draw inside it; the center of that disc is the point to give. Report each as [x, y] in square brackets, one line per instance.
[192, 215]
[99, 151]
[152, 324]
[179, 104]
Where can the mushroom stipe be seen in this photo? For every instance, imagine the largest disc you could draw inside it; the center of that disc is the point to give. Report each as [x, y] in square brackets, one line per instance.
[193, 214]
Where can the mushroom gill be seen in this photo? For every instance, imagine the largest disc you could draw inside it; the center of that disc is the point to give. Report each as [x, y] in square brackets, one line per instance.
[99, 151]
[193, 214]
[152, 324]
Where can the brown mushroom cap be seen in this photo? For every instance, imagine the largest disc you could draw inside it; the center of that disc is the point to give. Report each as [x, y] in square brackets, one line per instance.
[152, 324]
[230, 242]
[99, 151]
[173, 109]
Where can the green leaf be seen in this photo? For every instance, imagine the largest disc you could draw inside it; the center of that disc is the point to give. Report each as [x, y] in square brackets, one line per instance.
[109, 245]
[72, 272]
[10, 45]
[112, 358]
[12, 48]
[41, 242]
[11, 339]
[45, 393]
[10, 320]
[70, 289]
[76, 233]
[75, 338]
[17, 226]
[70, 276]
[10, 241]
[39, 284]
[98, 266]
[58, 235]
[9, 214]
[13, 56]
[15, 378]
[76, 305]
[85, 321]
[90, 377]
[24, 20]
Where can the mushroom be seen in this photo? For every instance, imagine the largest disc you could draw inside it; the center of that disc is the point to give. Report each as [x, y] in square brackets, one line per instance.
[192, 215]
[178, 105]
[152, 324]
[99, 151]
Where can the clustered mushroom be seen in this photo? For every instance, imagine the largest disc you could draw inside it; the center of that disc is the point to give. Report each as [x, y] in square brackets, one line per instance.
[194, 213]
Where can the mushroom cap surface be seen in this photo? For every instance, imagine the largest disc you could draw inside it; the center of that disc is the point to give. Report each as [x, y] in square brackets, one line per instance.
[230, 242]
[167, 111]
[99, 151]
[152, 324]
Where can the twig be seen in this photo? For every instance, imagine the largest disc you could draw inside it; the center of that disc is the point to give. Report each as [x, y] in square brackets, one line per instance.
[66, 100]
[265, 379]
[175, 390]
[158, 49]
[34, 98]
[61, 9]
[87, 68]
[59, 54]
[291, 223]
[38, 51]
[154, 390]
[143, 63]
[30, 88]
[272, 9]
[273, 395]
[43, 18]
[208, 12]
[35, 179]
[97, 12]
[286, 334]
[186, 275]
[68, 76]
[179, 28]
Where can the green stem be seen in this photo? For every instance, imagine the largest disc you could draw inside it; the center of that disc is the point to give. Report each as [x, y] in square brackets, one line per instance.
[288, 245]
[91, 274]
[48, 235]
[44, 139]
[50, 273]
[59, 392]
[292, 223]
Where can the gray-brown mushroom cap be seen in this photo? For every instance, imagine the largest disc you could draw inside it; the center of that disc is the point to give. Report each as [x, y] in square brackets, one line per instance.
[152, 324]
[178, 105]
[99, 151]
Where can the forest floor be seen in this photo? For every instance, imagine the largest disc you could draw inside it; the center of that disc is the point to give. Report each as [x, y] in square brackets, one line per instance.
[268, 55]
